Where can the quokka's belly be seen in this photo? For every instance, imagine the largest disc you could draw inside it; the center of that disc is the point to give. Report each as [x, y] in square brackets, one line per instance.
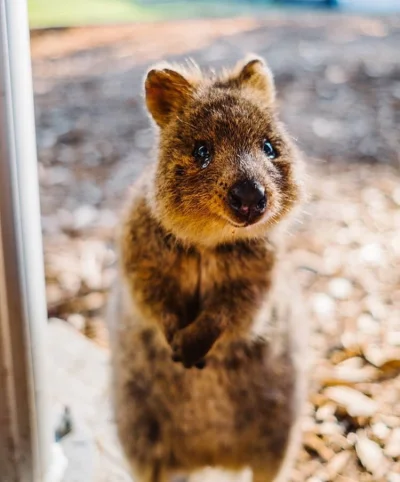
[238, 409]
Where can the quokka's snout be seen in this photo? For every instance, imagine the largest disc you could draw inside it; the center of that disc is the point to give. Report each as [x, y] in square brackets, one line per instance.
[247, 200]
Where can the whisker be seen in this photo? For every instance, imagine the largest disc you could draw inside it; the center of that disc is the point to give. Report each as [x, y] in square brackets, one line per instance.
[186, 123]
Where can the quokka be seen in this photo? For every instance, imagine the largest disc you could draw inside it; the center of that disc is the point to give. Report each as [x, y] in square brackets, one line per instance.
[208, 333]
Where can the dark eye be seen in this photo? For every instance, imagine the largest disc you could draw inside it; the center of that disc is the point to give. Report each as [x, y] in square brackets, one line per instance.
[269, 150]
[202, 154]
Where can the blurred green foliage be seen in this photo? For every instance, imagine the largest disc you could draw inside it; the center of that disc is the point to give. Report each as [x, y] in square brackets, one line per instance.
[58, 13]
[50, 13]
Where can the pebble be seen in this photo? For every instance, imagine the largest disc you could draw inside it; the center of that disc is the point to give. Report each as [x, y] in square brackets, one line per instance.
[367, 324]
[396, 192]
[380, 430]
[84, 217]
[392, 447]
[326, 412]
[335, 74]
[325, 128]
[369, 453]
[77, 321]
[372, 254]
[338, 464]
[340, 288]
[354, 402]
[93, 301]
[323, 304]
[54, 294]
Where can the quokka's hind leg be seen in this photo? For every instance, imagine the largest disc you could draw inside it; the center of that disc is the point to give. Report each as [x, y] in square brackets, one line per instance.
[280, 473]
[291, 454]
[155, 472]
[260, 475]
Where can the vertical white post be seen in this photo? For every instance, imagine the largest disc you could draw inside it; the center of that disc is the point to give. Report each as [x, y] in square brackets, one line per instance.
[25, 432]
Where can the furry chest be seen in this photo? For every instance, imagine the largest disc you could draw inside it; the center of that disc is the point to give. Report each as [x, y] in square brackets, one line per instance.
[197, 275]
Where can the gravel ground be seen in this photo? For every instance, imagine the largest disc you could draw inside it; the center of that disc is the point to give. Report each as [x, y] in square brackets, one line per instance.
[339, 87]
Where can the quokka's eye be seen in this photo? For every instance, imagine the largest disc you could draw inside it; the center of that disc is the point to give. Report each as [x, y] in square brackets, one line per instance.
[269, 150]
[202, 154]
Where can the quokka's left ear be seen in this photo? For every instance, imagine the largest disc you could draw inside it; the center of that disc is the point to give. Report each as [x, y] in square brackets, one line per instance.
[253, 72]
[166, 92]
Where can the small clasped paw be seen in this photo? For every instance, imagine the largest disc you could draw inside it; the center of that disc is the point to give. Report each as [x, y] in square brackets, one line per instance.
[185, 352]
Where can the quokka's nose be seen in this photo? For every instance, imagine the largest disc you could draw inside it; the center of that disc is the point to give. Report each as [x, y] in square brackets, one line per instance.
[247, 199]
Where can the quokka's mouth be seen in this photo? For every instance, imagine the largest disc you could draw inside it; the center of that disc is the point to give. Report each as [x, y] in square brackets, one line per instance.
[244, 224]
[232, 222]
[238, 225]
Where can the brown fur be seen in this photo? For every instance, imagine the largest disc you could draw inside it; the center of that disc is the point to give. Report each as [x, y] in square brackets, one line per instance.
[198, 288]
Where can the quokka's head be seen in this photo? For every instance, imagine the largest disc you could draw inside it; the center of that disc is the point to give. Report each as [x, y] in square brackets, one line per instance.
[226, 168]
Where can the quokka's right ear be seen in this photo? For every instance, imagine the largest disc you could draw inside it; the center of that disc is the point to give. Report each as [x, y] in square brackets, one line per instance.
[253, 72]
[167, 91]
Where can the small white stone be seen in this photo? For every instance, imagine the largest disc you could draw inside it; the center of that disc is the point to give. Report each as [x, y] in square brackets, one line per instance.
[354, 402]
[394, 338]
[396, 196]
[77, 321]
[335, 74]
[323, 304]
[329, 428]
[352, 438]
[380, 430]
[340, 288]
[375, 306]
[372, 254]
[355, 362]
[392, 448]
[369, 453]
[367, 325]
[85, 216]
[325, 412]
[324, 128]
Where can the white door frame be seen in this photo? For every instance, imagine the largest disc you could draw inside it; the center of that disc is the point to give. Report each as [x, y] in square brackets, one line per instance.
[25, 431]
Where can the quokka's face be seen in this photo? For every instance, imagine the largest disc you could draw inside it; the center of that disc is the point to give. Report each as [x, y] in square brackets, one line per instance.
[227, 169]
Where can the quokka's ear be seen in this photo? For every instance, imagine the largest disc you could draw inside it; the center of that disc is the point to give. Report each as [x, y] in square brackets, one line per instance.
[253, 72]
[166, 92]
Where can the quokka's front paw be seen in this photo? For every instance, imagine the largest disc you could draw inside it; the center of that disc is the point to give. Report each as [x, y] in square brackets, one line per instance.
[189, 347]
[171, 327]
[191, 344]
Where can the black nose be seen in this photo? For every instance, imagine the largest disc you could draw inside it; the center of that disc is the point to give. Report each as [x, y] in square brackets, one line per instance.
[247, 199]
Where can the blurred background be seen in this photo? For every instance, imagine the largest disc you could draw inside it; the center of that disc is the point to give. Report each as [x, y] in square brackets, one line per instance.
[337, 68]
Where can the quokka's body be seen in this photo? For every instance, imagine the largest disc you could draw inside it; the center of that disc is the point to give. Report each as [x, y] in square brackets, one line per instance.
[207, 331]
